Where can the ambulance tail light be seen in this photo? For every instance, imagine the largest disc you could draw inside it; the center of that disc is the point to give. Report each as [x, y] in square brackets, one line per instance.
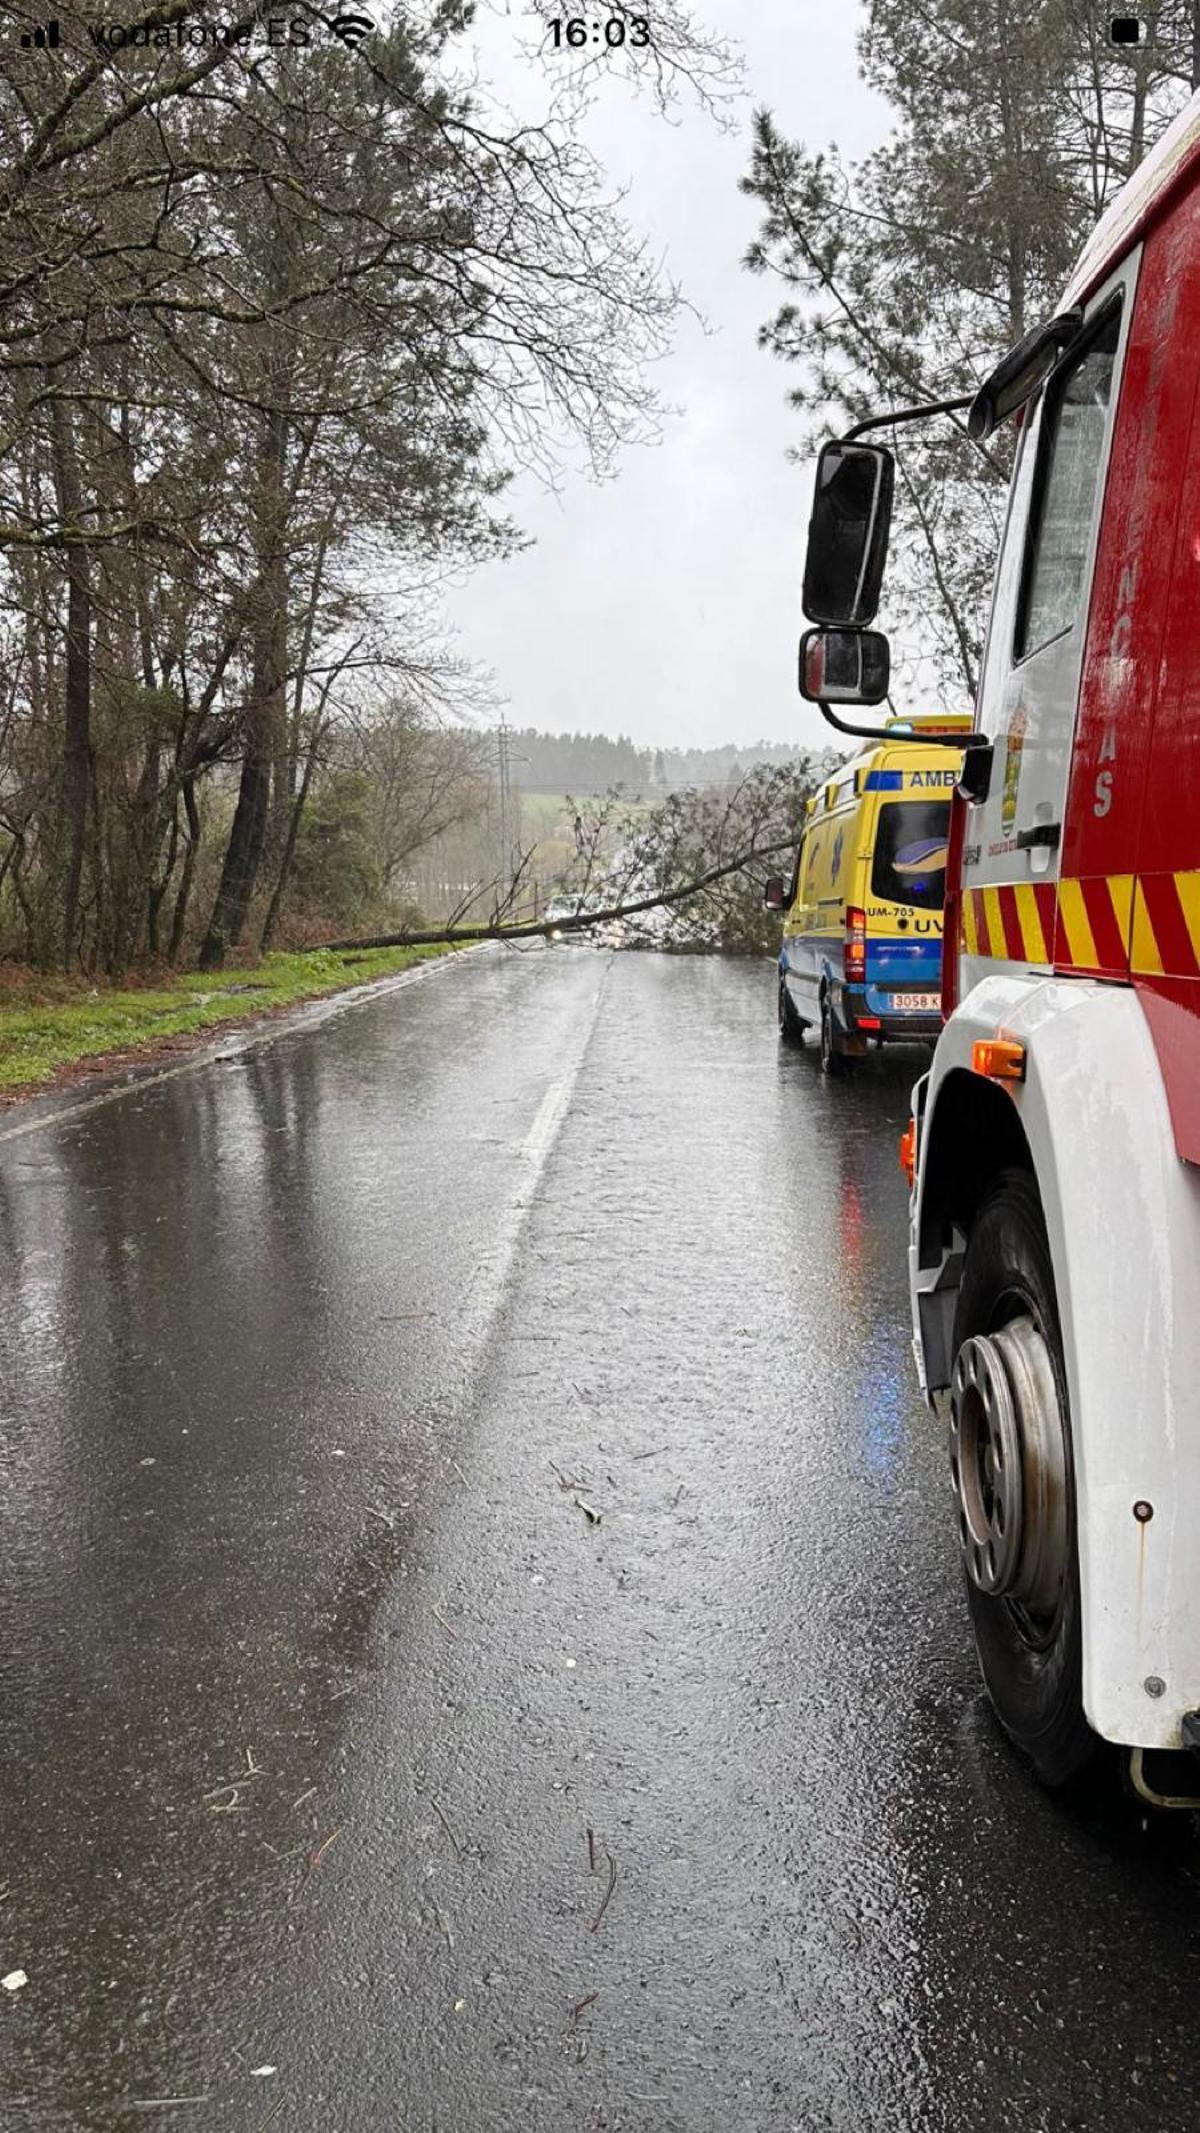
[952, 908]
[854, 954]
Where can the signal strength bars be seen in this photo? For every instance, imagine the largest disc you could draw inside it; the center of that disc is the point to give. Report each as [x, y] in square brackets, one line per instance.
[40, 40]
[352, 29]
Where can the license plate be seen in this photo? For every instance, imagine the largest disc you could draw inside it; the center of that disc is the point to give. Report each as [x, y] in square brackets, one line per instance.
[921, 1003]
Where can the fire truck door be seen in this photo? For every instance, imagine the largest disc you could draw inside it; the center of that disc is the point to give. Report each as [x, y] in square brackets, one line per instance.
[1031, 672]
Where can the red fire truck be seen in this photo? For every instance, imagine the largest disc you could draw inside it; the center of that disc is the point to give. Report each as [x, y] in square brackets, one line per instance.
[1054, 1151]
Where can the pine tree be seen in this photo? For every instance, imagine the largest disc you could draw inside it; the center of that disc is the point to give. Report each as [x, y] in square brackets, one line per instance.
[909, 273]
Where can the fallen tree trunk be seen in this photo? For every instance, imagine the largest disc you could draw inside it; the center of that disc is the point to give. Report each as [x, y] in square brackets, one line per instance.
[577, 922]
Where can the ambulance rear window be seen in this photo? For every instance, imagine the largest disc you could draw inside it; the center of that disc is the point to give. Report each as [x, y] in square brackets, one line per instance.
[909, 866]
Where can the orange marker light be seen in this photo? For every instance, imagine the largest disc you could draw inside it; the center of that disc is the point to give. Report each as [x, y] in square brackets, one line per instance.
[999, 1059]
[908, 1151]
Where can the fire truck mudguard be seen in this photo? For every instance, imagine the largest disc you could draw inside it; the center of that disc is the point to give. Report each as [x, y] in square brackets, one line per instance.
[1089, 1124]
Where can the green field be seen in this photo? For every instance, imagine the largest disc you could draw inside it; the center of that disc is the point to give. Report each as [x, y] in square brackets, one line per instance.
[47, 1024]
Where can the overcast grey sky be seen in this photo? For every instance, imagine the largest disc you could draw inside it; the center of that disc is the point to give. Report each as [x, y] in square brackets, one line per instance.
[664, 604]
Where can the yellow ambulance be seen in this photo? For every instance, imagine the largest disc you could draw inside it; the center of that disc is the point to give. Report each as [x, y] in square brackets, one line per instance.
[861, 956]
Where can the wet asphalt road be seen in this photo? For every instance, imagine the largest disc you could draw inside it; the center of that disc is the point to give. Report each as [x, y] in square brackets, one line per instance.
[315, 1675]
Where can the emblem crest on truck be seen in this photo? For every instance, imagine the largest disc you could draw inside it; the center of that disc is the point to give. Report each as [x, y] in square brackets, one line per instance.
[1017, 727]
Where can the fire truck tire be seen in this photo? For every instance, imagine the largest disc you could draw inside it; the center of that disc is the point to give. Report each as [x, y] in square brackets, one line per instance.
[833, 1060]
[1030, 1658]
[791, 1028]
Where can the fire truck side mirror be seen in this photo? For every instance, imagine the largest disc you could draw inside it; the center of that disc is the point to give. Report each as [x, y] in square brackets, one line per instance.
[975, 777]
[844, 666]
[848, 534]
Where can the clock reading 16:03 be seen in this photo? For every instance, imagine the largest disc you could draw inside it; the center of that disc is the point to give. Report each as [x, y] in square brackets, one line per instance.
[616, 31]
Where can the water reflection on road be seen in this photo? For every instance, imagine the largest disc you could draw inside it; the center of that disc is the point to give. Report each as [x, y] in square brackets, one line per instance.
[315, 1674]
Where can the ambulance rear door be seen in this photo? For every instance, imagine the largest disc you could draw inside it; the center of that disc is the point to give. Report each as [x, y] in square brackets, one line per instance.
[905, 838]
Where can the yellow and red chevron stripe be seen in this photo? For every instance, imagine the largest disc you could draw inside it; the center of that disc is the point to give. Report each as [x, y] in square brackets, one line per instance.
[1014, 922]
[1148, 924]
[1166, 925]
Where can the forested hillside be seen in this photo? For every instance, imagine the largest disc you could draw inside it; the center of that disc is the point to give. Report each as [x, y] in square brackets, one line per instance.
[591, 762]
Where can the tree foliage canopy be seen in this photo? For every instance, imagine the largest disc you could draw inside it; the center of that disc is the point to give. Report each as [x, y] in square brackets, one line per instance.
[904, 276]
[278, 318]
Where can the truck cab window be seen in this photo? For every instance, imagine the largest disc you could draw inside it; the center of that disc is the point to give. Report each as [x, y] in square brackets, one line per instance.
[1070, 457]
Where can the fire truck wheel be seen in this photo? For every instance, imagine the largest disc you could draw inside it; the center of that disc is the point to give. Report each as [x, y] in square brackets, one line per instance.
[791, 1028]
[832, 1060]
[1010, 1456]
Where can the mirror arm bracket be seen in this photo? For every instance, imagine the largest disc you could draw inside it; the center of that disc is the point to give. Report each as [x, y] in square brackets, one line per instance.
[890, 734]
[908, 414]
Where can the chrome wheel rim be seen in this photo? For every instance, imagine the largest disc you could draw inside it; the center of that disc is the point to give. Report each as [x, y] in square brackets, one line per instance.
[1008, 1463]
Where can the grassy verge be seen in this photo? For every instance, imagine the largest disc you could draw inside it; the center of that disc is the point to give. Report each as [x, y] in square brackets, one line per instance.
[49, 1024]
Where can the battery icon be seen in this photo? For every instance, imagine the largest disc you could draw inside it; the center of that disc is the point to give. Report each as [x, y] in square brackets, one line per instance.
[1125, 29]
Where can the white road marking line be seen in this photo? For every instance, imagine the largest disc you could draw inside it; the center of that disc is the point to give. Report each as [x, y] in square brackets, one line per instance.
[538, 1144]
[550, 1113]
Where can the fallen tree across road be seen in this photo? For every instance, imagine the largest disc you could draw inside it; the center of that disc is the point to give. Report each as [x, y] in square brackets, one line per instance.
[575, 922]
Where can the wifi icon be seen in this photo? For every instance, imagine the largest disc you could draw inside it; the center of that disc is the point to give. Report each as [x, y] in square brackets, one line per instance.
[352, 28]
